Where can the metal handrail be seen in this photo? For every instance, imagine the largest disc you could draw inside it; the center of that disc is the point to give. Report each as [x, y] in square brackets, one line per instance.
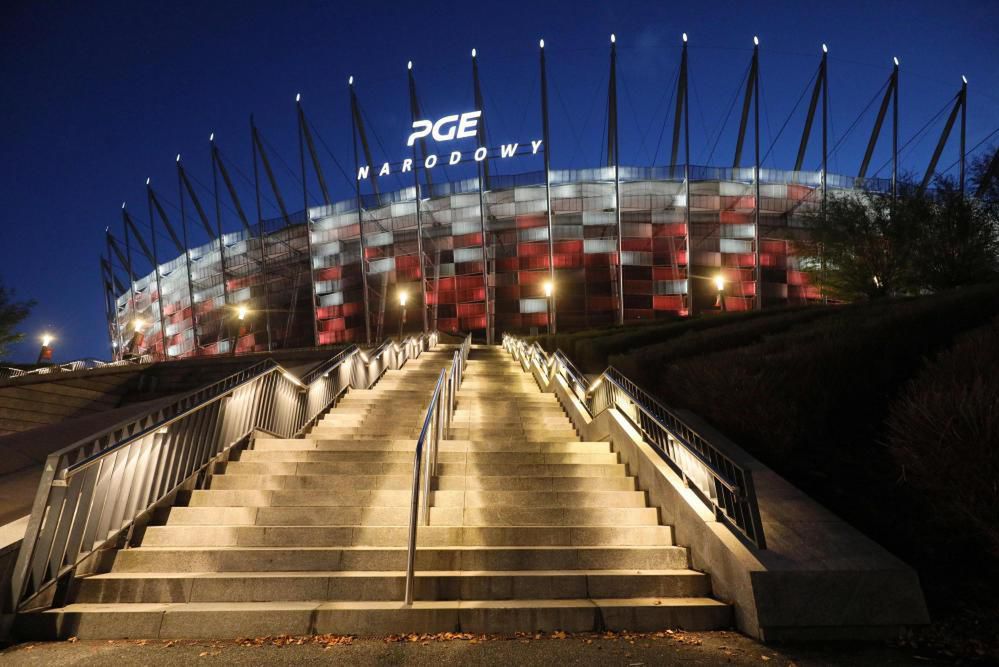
[722, 483]
[436, 423]
[10, 373]
[93, 492]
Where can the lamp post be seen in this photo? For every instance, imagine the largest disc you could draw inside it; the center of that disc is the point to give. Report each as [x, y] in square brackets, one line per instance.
[720, 286]
[138, 324]
[403, 297]
[549, 297]
[45, 354]
[241, 312]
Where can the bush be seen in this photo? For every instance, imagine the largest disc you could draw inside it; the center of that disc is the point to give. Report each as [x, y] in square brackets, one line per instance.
[944, 433]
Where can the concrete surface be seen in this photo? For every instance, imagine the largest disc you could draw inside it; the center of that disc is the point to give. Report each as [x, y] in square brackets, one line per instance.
[691, 649]
[819, 578]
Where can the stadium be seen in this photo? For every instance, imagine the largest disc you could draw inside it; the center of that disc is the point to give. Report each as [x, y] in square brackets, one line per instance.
[543, 249]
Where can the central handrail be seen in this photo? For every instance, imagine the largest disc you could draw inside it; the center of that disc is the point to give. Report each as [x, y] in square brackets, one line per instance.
[94, 491]
[436, 422]
[721, 482]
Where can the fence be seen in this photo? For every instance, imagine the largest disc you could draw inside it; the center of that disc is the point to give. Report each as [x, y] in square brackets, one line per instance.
[435, 426]
[724, 485]
[95, 492]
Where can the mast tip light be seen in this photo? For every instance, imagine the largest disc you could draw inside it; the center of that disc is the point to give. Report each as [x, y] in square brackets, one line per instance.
[350, 80]
[178, 157]
[756, 41]
[473, 53]
[211, 137]
[148, 180]
[684, 38]
[298, 97]
[895, 59]
[964, 79]
[825, 49]
[541, 43]
[613, 38]
[409, 65]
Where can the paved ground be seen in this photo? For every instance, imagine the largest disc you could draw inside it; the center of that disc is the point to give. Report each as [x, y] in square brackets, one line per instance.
[692, 649]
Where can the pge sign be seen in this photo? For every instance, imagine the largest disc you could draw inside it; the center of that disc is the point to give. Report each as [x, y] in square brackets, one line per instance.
[446, 128]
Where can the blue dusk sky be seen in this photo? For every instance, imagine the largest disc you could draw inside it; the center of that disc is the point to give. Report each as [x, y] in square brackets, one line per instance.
[99, 96]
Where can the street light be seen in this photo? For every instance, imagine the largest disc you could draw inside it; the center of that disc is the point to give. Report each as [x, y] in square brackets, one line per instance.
[45, 354]
[720, 286]
[403, 297]
[549, 294]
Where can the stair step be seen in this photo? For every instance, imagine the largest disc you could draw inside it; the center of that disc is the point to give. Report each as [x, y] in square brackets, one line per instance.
[405, 482]
[472, 458]
[408, 445]
[305, 468]
[401, 498]
[357, 515]
[248, 619]
[397, 536]
[388, 586]
[264, 559]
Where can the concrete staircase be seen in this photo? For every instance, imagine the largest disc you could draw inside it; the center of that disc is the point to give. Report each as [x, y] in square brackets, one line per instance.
[530, 529]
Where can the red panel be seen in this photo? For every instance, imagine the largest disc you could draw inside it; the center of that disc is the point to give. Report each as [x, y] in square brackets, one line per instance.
[331, 273]
[532, 249]
[776, 247]
[468, 240]
[734, 217]
[565, 247]
[667, 302]
[636, 245]
[471, 309]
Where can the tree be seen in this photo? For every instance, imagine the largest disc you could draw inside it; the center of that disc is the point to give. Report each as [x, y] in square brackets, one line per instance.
[958, 243]
[863, 245]
[12, 313]
[984, 175]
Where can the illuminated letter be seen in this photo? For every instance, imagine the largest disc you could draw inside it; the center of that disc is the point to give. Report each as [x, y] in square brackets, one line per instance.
[362, 173]
[430, 162]
[469, 121]
[449, 135]
[407, 165]
[535, 145]
[508, 150]
[480, 153]
[421, 129]
[455, 157]
[384, 171]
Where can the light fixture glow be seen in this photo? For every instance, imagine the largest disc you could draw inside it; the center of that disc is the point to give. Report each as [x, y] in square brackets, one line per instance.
[684, 38]
[541, 43]
[47, 339]
[473, 53]
[756, 40]
[123, 206]
[896, 60]
[350, 80]
[964, 79]
[241, 312]
[403, 296]
[298, 97]
[178, 157]
[825, 49]
[409, 65]
[613, 38]
[549, 288]
[138, 324]
[720, 282]
[211, 137]
[148, 180]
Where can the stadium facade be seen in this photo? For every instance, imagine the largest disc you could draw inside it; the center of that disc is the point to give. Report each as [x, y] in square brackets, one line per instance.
[614, 243]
